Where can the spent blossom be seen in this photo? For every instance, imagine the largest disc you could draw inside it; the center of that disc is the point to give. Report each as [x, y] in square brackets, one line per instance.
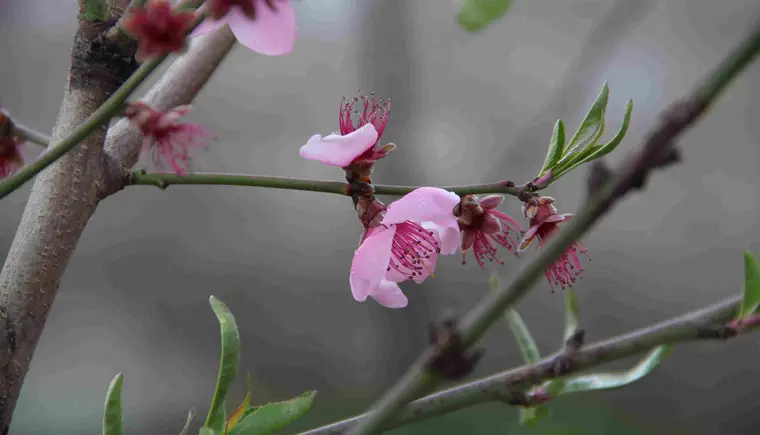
[484, 226]
[159, 28]
[544, 222]
[168, 139]
[356, 145]
[404, 245]
[10, 147]
[265, 26]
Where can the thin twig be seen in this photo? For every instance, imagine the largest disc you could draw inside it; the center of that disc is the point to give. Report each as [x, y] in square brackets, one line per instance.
[163, 180]
[31, 134]
[687, 327]
[657, 151]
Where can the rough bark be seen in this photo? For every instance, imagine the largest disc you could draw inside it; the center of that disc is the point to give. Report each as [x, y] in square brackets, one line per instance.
[63, 198]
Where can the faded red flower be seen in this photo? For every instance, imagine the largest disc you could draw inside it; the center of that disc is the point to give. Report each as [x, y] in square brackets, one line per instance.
[482, 226]
[168, 139]
[158, 28]
[544, 221]
[10, 147]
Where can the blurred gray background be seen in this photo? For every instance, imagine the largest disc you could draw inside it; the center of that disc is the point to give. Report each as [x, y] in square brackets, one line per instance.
[466, 109]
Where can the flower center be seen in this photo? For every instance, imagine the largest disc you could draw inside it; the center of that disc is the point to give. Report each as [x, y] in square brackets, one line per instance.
[412, 249]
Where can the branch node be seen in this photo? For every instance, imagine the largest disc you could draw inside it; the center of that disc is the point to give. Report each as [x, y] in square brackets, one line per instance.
[451, 359]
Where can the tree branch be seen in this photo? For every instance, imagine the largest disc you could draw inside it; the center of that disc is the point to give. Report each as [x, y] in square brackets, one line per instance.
[164, 180]
[688, 327]
[657, 151]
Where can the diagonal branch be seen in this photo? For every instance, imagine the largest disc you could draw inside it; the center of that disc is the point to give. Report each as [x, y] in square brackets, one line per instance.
[696, 325]
[607, 188]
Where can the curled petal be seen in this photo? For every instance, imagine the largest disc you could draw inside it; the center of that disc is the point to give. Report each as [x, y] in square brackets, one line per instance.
[272, 33]
[491, 201]
[448, 236]
[528, 238]
[491, 224]
[389, 295]
[423, 204]
[337, 150]
[557, 218]
[370, 263]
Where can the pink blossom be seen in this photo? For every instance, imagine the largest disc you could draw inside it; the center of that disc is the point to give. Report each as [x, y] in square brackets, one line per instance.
[482, 225]
[404, 245]
[10, 147]
[269, 29]
[169, 139]
[357, 142]
[544, 222]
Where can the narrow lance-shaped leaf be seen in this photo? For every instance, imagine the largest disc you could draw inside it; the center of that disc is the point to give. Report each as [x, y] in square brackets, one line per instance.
[205, 430]
[220, 420]
[600, 150]
[607, 381]
[525, 341]
[475, 15]
[556, 147]
[572, 319]
[112, 419]
[272, 417]
[228, 364]
[190, 417]
[591, 127]
[240, 411]
[751, 298]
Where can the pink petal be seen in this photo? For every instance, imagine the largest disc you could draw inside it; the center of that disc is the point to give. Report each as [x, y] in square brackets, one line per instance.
[556, 218]
[337, 150]
[428, 269]
[468, 238]
[448, 235]
[491, 225]
[371, 262]
[206, 26]
[271, 33]
[528, 238]
[491, 201]
[423, 204]
[389, 295]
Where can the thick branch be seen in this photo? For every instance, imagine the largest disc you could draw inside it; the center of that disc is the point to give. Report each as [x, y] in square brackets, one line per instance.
[608, 188]
[688, 327]
[62, 200]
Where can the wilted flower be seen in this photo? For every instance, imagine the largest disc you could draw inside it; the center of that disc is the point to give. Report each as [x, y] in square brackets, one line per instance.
[356, 145]
[264, 26]
[482, 225]
[544, 221]
[10, 147]
[158, 28]
[404, 245]
[169, 139]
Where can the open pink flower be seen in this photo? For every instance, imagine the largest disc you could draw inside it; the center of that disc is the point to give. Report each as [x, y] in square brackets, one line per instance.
[544, 221]
[265, 26]
[482, 223]
[405, 245]
[169, 139]
[356, 143]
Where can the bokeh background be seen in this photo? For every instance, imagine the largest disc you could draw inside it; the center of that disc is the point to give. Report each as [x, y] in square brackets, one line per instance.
[466, 109]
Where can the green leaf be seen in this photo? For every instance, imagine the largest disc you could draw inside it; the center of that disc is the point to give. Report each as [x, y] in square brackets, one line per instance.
[572, 319]
[751, 286]
[475, 15]
[228, 364]
[525, 342]
[607, 381]
[94, 10]
[112, 420]
[274, 416]
[190, 417]
[240, 411]
[600, 150]
[556, 147]
[205, 430]
[531, 416]
[591, 127]
[220, 420]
